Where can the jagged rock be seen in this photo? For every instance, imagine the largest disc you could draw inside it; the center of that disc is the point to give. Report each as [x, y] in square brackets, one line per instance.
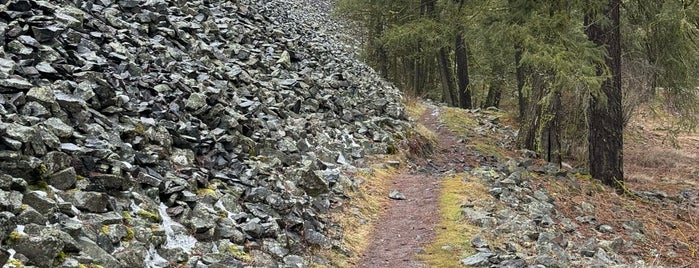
[40, 201]
[7, 223]
[90, 201]
[479, 259]
[294, 261]
[14, 85]
[96, 253]
[63, 179]
[4, 255]
[40, 250]
[605, 228]
[58, 128]
[11, 201]
[119, 105]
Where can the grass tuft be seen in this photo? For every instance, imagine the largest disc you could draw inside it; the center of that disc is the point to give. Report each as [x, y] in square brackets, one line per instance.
[363, 208]
[454, 233]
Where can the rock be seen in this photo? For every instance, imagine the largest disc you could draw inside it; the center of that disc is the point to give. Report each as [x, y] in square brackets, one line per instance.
[313, 183]
[8, 221]
[478, 242]
[480, 259]
[196, 101]
[587, 208]
[19, 132]
[294, 261]
[98, 255]
[11, 201]
[14, 85]
[40, 250]
[40, 201]
[90, 201]
[43, 95]
[318, 239]
[58, 128]
[605, 228]
[64, 179]
[7, 68]
[4, 255]
[396, 195]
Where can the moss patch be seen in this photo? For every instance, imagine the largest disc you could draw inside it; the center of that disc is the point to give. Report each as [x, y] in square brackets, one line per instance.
[459, 121]
[238, 253]
[454, 234]
[15, 263]
[147, 214]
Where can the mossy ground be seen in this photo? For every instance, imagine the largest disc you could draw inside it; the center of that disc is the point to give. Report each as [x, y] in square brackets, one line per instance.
[454, 233]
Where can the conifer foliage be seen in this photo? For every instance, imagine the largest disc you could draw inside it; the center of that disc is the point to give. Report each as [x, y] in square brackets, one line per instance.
[573, 71]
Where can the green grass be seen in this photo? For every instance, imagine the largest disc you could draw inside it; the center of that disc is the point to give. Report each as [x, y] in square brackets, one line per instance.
[453, 230]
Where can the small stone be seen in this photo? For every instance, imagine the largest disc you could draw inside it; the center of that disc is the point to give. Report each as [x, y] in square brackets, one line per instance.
[479, 259]
[11, 201]
[396, 195]
[40, 250]
[294, 261]
[20, 132]
[196, 101]
[478, 242]
[285, 59]
[39, 201]
[605, 228]
[14, 85]
[60, 129]
[587, 208]
[43, 95]
[64, 179]
[91, 201]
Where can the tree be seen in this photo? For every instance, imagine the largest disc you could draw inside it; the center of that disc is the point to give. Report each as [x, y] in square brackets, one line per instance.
[606, 119]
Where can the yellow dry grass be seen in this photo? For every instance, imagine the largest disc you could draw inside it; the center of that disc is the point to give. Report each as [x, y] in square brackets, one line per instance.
[361, 212]
[454, 233]
[414, 108]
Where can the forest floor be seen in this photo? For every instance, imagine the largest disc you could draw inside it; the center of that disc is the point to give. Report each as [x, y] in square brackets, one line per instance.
[426, 227]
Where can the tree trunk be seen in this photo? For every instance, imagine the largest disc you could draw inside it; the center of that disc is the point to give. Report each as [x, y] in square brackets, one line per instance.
[606, 118]
[448, 92]
[496, 84]
[531, 121]
[462, 71]
[494, 93]
[522, 100]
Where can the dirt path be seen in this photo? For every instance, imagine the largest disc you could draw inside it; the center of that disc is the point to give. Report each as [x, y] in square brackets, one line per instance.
[409, 225]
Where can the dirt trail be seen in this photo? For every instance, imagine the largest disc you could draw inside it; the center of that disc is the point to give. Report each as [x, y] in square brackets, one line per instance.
[409, 225]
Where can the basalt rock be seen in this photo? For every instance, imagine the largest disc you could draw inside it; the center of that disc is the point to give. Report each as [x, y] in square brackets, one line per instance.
[156, 129]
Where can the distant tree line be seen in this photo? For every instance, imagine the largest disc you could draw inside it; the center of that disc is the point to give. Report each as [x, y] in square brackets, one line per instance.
[573, 71]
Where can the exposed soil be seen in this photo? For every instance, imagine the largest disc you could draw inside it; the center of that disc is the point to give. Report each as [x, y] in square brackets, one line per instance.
[408, 225]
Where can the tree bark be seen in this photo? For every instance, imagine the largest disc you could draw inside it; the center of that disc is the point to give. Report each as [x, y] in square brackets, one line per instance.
[521, 99]
[448, 92]
[606, 117]
[462, 71]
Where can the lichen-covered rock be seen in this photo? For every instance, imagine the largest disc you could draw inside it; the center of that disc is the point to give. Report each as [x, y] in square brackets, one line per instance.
[159, 121]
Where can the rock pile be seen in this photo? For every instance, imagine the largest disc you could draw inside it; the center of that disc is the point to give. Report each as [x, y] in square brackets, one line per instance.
[202, 133]
[530, 231]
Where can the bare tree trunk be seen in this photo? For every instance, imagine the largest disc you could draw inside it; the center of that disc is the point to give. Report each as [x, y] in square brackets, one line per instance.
[522, 100]
[606, 118]
[531, 121]
[448, 92]
[462, 71]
